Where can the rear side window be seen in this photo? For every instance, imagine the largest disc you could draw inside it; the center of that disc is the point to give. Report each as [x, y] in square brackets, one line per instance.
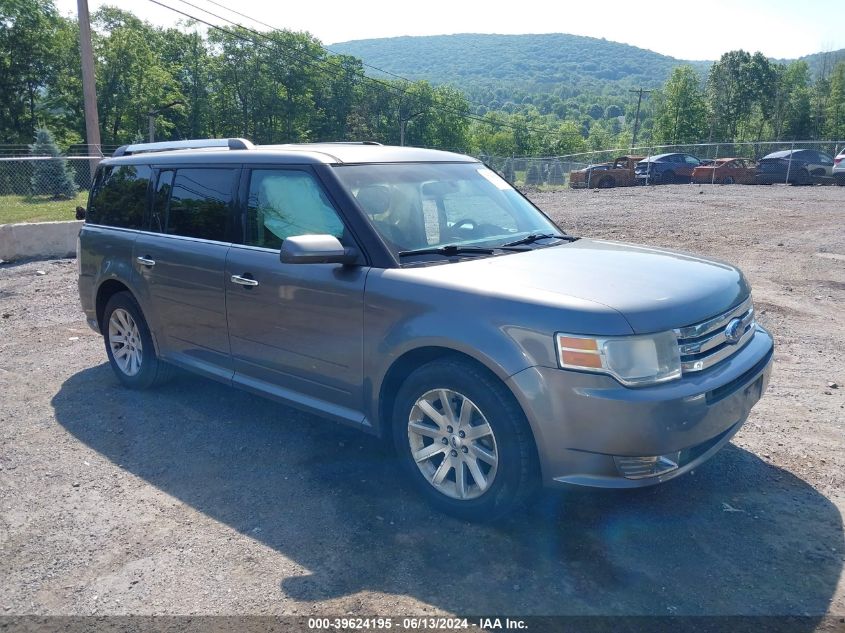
[199, 204]
[119, 196]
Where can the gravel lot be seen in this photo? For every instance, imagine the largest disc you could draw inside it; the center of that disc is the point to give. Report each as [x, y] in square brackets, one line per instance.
[200, 499]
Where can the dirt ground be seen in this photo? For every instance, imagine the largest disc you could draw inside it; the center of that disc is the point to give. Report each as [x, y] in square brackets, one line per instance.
[201, 499]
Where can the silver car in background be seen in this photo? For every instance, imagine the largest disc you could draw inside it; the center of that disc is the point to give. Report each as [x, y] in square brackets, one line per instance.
[839, 168]
[417, 296]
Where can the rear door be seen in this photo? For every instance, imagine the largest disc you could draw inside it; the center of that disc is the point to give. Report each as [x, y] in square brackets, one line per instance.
[688, 163]
[181, 263]
[296, 330]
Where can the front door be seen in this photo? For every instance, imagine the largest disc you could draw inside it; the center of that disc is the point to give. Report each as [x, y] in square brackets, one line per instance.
[295, 330]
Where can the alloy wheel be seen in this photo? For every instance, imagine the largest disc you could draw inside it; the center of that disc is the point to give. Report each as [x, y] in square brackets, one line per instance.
[452, 444]
[125, 342]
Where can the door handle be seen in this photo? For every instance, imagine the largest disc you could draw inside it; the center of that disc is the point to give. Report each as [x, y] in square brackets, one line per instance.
[244, 281]
[146, 261]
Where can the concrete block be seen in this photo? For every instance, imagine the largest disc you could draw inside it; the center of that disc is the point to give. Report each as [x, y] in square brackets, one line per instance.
[38, 240]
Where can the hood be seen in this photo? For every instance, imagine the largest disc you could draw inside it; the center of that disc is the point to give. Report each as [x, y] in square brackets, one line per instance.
[653, 289]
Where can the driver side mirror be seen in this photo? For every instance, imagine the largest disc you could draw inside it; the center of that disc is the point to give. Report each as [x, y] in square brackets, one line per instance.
[316, 249]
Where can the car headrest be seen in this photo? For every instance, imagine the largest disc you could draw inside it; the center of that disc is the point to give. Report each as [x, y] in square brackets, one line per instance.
[375, 199]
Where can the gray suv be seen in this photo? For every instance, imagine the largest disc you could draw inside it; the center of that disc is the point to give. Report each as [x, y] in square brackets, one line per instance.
[415, 295]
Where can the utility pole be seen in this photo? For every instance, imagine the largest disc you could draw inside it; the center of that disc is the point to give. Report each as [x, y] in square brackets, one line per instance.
[89, 87]
[640, 92]
[152, 117]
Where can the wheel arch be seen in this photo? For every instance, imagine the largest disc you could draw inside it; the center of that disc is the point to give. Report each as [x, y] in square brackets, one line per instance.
[106, 291]
[411, 360]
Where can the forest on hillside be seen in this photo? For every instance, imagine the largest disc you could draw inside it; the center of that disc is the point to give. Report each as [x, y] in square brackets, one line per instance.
[282, 86]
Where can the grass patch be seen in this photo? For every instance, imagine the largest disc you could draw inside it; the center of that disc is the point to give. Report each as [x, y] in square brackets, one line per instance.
[39, 209]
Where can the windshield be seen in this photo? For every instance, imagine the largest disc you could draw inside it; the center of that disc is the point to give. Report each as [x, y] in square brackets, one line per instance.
[427, 205]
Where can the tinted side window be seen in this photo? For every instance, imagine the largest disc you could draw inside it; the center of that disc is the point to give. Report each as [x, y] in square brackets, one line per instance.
[283, 203]
[119, 196]
[200, 200]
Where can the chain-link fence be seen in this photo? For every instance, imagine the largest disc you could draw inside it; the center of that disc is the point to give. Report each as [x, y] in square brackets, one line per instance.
[66, 176]
[557, 171]
[44, 176]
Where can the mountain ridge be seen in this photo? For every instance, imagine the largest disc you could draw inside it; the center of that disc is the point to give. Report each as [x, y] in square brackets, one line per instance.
[540, 62]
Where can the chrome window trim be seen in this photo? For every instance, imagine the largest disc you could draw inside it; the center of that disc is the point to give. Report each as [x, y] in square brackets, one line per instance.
[157, 234]
[113, 228]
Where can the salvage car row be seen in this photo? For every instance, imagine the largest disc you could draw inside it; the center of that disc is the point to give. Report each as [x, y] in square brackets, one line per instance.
[796, 167]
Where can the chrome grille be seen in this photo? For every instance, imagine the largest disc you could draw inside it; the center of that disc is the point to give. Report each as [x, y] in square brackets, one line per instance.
[706, 343]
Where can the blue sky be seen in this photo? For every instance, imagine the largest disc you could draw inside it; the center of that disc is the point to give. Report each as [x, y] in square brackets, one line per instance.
[689, 29]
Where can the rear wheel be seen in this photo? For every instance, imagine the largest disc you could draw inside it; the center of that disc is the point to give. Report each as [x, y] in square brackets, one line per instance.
[802, 177]
[728, 180]
[607, 183]
[129, 344]
[464, 441]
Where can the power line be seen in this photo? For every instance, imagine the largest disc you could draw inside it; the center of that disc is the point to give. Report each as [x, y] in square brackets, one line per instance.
[316, 60]
[270, 26]
[372, 79]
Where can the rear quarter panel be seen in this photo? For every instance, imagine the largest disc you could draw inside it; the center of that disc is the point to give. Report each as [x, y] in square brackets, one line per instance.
[104, 253]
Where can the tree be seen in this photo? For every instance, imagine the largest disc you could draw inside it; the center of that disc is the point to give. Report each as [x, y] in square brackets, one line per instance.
[612, 111]
[132, 77]
[27, 64]
[595, 111]
[835, 112]
[795, 120]
[533, 176]
[730, 93]
[681, 115]
[52, 177]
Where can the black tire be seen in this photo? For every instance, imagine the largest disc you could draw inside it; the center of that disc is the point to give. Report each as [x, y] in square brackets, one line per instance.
[728, 180]
[607, 183]
[802, 178]
[152, 371]
[516, 476]
[668, 177]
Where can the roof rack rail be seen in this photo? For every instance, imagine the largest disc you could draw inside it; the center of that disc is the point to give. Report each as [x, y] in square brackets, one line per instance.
[200, 143]
[344, 143]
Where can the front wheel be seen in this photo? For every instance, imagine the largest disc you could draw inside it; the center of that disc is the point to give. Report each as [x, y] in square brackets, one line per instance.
[668, 178]
[129, 344]
[464, 441]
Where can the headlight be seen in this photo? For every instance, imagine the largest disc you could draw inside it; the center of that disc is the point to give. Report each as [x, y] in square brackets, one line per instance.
[632, 360]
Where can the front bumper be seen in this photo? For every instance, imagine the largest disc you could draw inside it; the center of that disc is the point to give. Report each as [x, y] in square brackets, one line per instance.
[584, 423]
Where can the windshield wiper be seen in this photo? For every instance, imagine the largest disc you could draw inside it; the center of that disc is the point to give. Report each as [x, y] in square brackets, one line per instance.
[449, 250]
[534, 237]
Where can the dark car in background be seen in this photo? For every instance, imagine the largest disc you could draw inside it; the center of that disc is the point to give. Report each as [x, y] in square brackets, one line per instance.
[666, 168]
[796, 167]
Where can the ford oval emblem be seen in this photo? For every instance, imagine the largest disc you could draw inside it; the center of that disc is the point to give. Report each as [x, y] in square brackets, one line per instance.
[734, 331]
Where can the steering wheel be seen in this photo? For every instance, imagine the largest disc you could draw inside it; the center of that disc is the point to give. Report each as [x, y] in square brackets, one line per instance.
[463, 222]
